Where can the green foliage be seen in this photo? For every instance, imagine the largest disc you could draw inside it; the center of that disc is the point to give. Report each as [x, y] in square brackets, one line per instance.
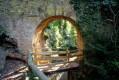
[2, 30]
[61, 33]
[98, 22]
[31, 75]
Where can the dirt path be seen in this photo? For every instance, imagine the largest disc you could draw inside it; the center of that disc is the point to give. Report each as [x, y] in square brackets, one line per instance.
[14, 70]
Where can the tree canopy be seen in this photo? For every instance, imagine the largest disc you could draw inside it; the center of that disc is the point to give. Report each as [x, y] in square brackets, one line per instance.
[98, 20]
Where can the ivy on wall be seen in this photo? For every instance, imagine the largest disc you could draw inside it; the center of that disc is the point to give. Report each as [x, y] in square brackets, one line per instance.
[99, 24]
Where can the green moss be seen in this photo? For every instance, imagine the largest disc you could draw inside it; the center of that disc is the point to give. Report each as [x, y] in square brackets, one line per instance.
[2, 30]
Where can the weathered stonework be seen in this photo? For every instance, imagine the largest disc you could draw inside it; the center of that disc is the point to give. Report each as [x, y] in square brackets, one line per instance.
[23, 28]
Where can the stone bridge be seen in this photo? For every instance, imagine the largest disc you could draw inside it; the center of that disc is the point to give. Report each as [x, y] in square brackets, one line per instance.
[23, 29]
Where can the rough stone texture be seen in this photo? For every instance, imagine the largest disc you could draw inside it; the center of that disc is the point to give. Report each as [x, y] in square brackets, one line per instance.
[2, 58]
[23, 28]
[10, 52]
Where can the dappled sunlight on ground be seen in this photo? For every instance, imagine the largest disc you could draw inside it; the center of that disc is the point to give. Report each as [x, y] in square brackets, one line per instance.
[14, 70]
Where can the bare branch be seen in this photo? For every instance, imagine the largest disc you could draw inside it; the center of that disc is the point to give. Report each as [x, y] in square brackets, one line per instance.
[111, 10]
[107, 20]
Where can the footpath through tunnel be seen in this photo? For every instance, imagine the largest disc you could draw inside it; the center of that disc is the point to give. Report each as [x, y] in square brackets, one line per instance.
[55, 39]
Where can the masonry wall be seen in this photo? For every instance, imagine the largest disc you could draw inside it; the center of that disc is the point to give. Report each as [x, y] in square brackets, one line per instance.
[22, 29]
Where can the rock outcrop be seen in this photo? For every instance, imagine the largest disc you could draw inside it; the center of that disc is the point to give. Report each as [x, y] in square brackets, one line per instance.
[10, 53]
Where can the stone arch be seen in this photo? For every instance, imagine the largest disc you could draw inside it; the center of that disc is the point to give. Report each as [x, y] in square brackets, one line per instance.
[38, 36]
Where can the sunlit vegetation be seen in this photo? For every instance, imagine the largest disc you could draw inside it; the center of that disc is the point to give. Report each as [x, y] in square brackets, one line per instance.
[98, 22]
[60, 34]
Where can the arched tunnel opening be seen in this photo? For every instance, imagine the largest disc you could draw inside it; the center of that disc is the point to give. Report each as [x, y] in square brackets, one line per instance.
[39, 40]
[58, 32]
[65, 26]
